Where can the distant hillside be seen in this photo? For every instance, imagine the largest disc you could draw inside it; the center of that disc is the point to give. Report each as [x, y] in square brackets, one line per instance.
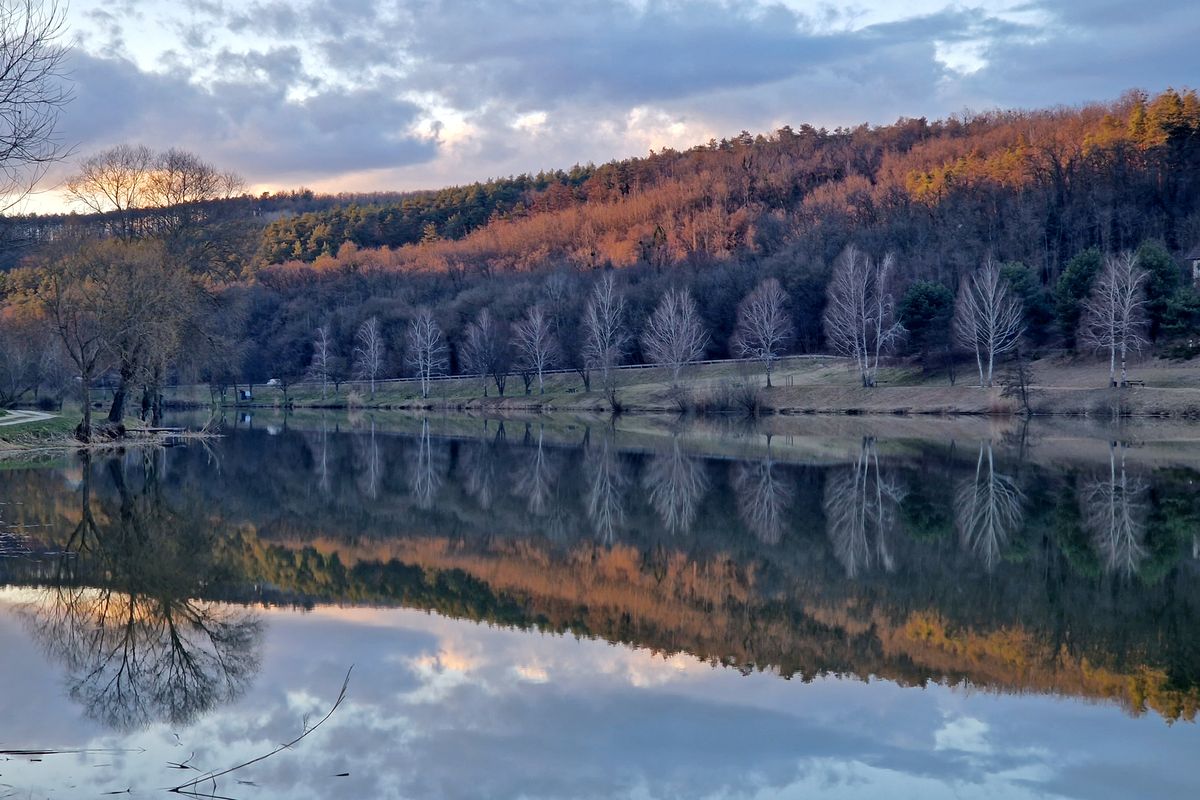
[1034, 186]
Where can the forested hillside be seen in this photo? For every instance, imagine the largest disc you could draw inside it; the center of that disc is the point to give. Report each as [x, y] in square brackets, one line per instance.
[1047, 195]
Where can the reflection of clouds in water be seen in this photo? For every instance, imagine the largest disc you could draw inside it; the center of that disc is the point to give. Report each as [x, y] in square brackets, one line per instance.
[964, 734]
[443, 708]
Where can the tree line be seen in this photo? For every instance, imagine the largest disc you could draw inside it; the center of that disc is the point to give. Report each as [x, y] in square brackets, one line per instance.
[944, 242]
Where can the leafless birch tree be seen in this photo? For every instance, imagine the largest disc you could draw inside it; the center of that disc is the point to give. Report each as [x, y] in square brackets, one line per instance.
[32, 93]
[485, 351]
[988, 509]
[987, 319]
[368, 352]
[426, 349]
[859, 311]
[318, 368]
[1114, 315]
[674, 335]
[535, 345]
[607, 338]
[763, 326]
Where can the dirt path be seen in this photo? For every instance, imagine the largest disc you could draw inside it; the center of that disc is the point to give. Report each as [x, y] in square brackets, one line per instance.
[23, 417]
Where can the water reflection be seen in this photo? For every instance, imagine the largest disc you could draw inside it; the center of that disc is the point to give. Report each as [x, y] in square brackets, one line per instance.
[861, 502]
[988, 509]
[675, 483]
[1015, 566]
[763, 496]
[606, 482]
[121, 606]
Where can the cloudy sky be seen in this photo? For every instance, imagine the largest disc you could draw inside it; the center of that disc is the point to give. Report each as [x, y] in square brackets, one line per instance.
[403, 94]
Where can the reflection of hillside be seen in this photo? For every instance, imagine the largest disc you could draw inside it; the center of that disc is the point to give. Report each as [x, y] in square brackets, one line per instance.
[977, 566]
[715, 610]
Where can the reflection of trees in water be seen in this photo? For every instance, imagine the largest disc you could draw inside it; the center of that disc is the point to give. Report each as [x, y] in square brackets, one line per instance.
[1114, 514]
[120, 617]
[606, 482]
[676, 482]
[763, 497]
[860, 507]
[369, 462]
[321, 459]
[988, 509]
[482, 464]
[535, 476]
[427, 469]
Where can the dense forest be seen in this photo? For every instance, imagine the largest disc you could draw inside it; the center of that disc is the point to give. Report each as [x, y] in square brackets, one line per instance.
[280, 283]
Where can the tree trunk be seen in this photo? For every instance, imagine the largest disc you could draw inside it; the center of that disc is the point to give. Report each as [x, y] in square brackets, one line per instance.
[84, 432]
[116, 411]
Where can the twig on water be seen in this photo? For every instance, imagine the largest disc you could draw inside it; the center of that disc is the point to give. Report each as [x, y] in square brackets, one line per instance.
[191, 787]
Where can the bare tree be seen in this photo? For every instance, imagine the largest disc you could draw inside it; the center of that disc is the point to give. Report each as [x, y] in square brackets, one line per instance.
[763, 326]
[860, 505]
[368, 353]
[535, 345]
[68, 296]
[485, 351]
[674, 335]
[114, 181]
[32, 94]
[426, 349]
[676, 482]
[1114, 315]
[318, 368]
[21, 360]
[987, 319]
[988, 509]
[859, 311]
[607, 339]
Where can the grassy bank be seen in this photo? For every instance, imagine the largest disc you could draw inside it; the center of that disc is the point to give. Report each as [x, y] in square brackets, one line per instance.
[801, 386]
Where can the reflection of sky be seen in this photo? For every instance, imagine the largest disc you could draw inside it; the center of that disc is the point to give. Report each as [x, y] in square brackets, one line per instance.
[444, 708]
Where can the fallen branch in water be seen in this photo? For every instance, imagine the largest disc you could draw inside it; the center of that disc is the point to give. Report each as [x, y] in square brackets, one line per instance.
[191, 787]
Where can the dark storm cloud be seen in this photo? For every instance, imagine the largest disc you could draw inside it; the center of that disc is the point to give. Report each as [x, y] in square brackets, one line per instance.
[247, 121]
[228, 85]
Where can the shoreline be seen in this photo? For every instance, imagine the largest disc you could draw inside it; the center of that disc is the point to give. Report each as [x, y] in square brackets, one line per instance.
[1103, 403]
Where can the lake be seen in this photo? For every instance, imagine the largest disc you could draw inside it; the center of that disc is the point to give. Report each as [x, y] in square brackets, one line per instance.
[571, 608]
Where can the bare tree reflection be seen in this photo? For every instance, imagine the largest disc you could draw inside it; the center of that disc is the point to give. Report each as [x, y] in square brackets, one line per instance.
[1114, 513]
[988, 509]
[321, 458]
[483, 464]
[860, 508]
[122, 617]
[427, 470]
[606, 484]
[763, 497]
[370, 461]
[676, 483]
[535, 480]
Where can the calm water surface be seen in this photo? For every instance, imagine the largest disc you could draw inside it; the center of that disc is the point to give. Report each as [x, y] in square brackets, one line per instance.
[563, 608]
